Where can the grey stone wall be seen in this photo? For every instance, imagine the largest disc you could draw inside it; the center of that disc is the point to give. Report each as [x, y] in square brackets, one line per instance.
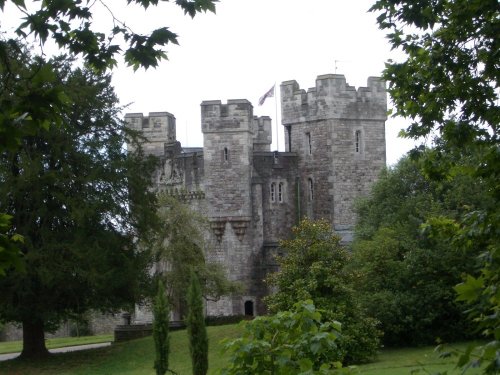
[338, 133]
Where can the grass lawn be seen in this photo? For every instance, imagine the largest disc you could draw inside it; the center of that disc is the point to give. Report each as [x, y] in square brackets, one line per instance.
[133, 357]
[136, 358]
[405, 360]
[16, 346]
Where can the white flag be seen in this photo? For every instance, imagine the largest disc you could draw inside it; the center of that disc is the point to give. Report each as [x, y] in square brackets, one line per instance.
[269, 94]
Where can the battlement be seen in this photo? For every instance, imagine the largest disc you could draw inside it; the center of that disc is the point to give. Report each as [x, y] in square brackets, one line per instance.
[262, 134]
[158, 128]
[333, 98]
[236, 115]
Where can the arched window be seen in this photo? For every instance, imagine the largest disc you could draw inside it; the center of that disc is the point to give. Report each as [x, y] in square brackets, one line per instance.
[273, 192]
[226, 153]
[357, 141]
[280, 192]
[311, 189]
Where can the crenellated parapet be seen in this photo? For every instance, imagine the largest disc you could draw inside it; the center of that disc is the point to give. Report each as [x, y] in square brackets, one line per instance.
[235, 116]
[262, 134]
[333, 98]
[157, 127]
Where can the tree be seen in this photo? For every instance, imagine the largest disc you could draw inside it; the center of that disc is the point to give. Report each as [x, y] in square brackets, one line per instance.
[407, 275]
[78, 199]
[197, 332]
[161, 314]
[69, 24]
[180, 247]
[448, 86]
[314, 267]
[299, 341]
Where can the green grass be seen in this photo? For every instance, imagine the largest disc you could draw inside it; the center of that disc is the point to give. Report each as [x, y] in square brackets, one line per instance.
[405, 360]
[136, 358]
[128, 358]
[16, 346]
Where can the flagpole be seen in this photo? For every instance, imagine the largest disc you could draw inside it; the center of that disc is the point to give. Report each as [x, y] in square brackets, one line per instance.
[276, 109]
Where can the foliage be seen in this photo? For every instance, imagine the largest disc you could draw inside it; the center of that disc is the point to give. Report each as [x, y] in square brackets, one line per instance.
[449, 86]
[407, 274]
[161, 314]
[197, 332]
[69, 24]
[180, 247]
[10, 254]
[79, 200]
[314, 267]
[28, 109]
[291, 342]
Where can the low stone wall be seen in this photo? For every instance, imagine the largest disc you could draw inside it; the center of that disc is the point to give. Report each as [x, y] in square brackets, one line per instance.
[125, 332]
[131, 332]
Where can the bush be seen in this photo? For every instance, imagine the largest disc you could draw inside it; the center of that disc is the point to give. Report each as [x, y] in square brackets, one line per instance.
[292, 342]
[314, 267]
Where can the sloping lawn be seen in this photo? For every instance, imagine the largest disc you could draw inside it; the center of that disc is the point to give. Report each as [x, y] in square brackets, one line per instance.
[406, 360]
[16, 346]
[136, 358]
[128, 358]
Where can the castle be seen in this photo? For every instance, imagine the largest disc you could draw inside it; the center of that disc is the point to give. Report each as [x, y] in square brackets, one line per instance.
[334, 151]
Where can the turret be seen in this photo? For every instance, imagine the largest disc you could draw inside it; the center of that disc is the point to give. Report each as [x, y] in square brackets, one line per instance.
[158, 128]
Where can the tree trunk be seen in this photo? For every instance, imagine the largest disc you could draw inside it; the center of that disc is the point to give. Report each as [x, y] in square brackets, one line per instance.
[33, 339]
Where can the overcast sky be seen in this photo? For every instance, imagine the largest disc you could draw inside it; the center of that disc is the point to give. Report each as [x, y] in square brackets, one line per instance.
[243, 49]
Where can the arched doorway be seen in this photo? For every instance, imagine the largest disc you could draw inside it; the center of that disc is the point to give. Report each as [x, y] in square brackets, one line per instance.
[249, 308]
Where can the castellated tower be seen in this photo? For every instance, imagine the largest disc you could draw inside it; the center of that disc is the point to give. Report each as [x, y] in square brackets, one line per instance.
[338, 133]
[158, 128]
[230, 134]
[252, 197]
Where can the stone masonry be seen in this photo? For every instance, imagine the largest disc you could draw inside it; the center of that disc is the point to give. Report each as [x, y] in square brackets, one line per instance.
[335, 149]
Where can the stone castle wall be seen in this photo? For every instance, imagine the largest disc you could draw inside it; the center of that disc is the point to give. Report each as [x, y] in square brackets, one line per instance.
[338, 133]
[335, 148]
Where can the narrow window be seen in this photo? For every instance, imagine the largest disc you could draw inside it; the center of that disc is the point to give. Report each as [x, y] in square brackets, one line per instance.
[273, 192]
[358, 140]
[226, 152]
[309, 145]
[289, 132]
[311, 189]
[280, 192]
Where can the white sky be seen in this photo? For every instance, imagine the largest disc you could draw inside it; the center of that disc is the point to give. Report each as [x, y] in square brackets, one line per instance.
[242, 50]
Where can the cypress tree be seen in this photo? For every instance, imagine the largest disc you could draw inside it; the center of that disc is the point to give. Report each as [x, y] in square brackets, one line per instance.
[198, 340]
[161, 313]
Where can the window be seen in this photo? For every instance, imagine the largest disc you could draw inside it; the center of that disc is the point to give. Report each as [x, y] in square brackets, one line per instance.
[280, 192]
[311, 189]
[273, 192]
[226, 153]
[309, 145]
[357, 141]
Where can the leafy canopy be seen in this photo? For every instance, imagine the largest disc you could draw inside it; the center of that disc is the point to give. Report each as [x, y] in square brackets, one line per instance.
[406, 272]
[79, 200]
[180, 247]
[27, 108]
[313, 266]
[448, 86]
[69, 24]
